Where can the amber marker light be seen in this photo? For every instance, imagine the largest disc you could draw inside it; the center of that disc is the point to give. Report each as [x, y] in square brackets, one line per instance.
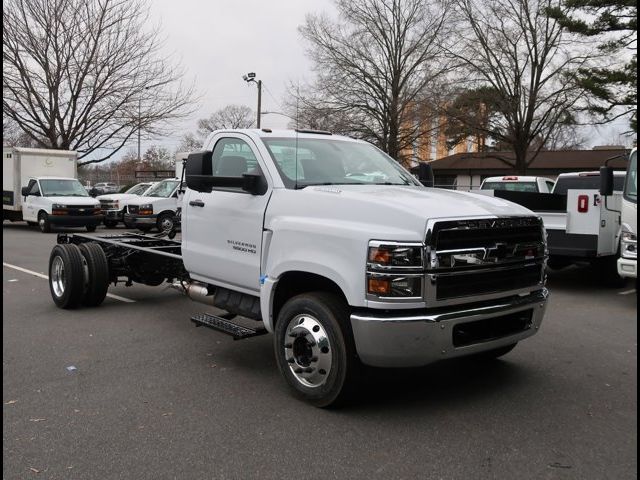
[379, 286]
[381, 256]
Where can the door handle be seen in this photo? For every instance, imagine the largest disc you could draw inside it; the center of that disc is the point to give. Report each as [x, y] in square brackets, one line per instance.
[196, 203]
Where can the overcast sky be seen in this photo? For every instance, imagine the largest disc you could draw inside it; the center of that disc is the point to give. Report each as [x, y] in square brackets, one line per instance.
[219, 41]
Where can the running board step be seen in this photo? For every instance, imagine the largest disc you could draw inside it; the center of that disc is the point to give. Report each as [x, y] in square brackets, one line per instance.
[238, 332]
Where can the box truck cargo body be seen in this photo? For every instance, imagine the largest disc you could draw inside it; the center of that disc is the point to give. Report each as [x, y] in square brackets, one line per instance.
[21, 164]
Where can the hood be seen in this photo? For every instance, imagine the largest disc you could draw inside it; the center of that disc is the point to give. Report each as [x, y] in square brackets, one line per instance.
[116, 196]
[74, 200]
[142, 200]
[392, 212]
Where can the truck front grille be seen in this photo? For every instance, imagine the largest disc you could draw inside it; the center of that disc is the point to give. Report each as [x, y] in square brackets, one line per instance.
[79, 210]
[469, 259]
[108, 205]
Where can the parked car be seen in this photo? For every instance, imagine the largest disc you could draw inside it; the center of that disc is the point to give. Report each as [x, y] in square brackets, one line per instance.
[518, 183]
[104, 187]
[114, 205]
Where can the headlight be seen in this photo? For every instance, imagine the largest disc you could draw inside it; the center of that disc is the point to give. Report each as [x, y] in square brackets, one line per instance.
[390, 255]
[146, 209]
[629, 245]
[58, 209]
[395, 270]
[394, 286]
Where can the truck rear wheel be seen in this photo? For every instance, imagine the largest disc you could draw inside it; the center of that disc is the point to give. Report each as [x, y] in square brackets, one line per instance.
[314, 348]
[97, 274]
[66, 275]
[43, 222]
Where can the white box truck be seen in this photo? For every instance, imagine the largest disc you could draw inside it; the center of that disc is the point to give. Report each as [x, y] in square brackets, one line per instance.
[21, 164]
[41, 187]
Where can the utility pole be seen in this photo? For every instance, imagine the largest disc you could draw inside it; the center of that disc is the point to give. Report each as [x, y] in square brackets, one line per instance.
[259, 102]
[139, 128]
[251, 77]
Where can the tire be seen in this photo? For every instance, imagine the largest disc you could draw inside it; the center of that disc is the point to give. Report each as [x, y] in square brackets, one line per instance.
[166, 222]
[314, 348]
[43, 222]
[111, 223]
[66, 275]
[91, 228]
[98, 274]
[493, 354]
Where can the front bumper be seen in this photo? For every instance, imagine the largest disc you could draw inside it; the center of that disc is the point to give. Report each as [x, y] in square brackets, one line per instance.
[417, 338]
[113, 215]
[140, 220]
[76, 220]
[628, 267]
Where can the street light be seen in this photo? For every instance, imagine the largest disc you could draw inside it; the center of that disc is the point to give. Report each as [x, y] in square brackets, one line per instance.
[140, 125]
[251, 77]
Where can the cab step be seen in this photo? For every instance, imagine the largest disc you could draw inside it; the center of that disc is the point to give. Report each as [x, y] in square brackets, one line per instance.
[238, 332]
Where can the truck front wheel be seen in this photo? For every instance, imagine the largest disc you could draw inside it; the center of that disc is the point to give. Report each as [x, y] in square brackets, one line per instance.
[314, 348]
[43, 222]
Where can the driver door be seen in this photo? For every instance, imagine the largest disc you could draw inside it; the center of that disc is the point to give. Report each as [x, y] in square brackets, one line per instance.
[222, 230]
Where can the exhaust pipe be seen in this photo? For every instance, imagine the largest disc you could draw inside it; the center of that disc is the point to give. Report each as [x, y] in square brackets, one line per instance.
[196, 291]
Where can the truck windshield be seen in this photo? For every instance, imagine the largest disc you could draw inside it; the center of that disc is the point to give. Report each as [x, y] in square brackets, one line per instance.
[305, 162]
[163, 189]
[511, 186]
[631, 185]
[62, 188]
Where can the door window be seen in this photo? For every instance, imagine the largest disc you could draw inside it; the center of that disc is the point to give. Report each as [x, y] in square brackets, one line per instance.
[35, 189]
[233, 157]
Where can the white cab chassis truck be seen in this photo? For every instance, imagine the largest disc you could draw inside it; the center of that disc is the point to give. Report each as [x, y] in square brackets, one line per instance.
[331, 246]
[41, 188]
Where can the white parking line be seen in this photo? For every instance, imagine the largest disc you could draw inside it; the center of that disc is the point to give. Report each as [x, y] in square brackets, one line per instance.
[42, 275]
[627, 292]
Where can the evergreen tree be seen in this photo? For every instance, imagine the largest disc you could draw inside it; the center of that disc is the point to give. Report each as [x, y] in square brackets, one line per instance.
[614, 87]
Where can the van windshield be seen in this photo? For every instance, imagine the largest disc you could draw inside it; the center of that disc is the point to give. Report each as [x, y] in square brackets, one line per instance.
[310, 161]
[62, 188]
[163, 189]
[138, 189]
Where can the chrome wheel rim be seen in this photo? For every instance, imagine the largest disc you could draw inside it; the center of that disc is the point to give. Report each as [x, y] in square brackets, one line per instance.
[41, 221]
[166, 225]
[57, 276]
[307, 350]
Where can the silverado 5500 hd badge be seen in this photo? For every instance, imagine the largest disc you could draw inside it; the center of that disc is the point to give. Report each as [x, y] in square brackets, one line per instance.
[243, 246]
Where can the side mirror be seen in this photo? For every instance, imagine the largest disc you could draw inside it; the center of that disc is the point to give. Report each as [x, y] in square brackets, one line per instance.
[425, 174]
[24, 191]
[254, 183]
[198, 170]
[606, 181]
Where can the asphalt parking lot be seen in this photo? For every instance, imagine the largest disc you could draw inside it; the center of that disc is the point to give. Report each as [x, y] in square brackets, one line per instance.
[152, 397]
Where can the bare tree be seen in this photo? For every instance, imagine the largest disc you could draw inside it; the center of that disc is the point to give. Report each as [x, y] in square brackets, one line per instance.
[229, 117]
[373, 66]
[513, 47]
[87, 75]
